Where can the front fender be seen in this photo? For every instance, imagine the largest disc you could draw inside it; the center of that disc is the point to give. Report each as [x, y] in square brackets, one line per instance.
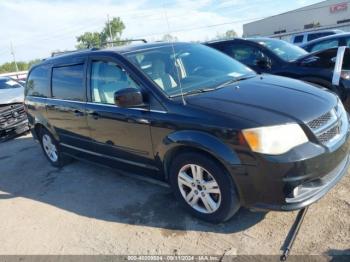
[200, 141]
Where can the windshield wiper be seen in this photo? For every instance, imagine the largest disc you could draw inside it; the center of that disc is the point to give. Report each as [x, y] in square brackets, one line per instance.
[234, 80]
[202, 90]
[195, 91]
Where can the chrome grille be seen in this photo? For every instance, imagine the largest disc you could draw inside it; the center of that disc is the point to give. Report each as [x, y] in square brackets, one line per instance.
[320, 121]
[329, 134]
[331, 126]
[11, 114]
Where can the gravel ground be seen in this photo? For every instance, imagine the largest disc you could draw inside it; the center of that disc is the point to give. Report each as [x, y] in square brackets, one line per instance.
[87, 209]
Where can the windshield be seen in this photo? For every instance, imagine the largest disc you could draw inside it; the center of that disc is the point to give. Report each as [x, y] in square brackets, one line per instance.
[284, 50]
[6, 83]
[190, 67]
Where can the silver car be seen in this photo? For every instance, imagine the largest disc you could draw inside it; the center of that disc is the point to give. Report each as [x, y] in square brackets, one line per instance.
[13, 119]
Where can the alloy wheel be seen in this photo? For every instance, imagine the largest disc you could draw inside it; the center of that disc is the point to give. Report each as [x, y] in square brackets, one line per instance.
[199, 188]
[49, 148]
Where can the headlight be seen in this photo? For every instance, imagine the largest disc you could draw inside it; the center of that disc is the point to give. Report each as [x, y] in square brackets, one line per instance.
[274, 140]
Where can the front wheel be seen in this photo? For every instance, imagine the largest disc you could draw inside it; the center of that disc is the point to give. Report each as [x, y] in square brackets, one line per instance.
[203, 186]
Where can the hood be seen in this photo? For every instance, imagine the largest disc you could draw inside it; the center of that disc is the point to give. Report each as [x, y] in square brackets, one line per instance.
[267, 100]
[11, 95]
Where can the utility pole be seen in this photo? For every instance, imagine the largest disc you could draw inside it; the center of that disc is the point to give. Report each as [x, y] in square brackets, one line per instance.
[110, 30]
[14, 57]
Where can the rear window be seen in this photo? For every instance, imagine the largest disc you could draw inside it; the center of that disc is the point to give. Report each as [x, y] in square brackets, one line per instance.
[38, 82]
[318, 35]
[68, 82]
[298, 39]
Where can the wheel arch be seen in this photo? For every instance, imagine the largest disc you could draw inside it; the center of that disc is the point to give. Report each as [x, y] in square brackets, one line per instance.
[195, 141]
[39, 124]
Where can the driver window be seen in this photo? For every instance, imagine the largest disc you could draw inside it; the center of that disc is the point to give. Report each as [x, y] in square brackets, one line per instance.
[247, 55]
[325, 45]
[347, 42]
[106, 79]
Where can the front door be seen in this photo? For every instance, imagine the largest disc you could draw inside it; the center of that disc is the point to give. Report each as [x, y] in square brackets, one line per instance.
[122, 134]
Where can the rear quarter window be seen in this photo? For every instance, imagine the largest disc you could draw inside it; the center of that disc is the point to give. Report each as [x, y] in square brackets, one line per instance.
[68, 82]
[298, 39]
[314, 36]
[38, 83]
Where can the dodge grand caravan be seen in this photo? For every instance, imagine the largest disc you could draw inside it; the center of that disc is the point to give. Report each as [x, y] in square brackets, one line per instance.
[221, 135]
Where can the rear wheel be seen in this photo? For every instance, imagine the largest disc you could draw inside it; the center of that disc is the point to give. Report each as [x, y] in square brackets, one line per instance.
[51, 149]
[204, 187]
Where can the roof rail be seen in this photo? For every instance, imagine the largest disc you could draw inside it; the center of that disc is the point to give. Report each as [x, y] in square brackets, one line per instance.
[58, 53]
[125, 41]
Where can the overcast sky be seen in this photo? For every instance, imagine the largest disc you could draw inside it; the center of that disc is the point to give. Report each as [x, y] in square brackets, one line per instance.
[37, 27]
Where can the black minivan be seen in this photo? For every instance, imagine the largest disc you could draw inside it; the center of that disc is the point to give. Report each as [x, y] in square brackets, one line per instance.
[221, 135]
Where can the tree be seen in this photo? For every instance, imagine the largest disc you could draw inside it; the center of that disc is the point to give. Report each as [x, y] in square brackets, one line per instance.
[22, 66]
[169, 38]
[112, 31]
[88, 40]
[227, 35]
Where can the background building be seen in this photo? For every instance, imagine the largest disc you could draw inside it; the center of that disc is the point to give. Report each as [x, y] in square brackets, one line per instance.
[330, 14]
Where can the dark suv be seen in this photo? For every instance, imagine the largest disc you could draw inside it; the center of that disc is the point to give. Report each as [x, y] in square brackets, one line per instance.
[221, 135]
[273, 56]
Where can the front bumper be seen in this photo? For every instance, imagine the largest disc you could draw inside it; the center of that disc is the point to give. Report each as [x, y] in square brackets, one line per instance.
[13, 120]
[271, 183]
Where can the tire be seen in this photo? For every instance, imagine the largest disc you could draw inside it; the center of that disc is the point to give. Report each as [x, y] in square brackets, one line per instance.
[208, 201]
[51, 149]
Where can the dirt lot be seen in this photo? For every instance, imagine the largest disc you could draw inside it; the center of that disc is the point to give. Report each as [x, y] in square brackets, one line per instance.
[87, 209]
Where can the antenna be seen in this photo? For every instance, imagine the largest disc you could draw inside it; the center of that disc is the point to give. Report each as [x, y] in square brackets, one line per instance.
[172, 45]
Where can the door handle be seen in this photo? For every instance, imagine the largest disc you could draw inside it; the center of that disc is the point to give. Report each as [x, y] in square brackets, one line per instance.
[78, 113]
[94, 115]
[139, 120]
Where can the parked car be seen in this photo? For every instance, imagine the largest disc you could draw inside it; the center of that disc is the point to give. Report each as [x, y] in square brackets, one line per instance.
[221, 135]
[328, 42]
[305, 37]
[273, 56]
[13, 119]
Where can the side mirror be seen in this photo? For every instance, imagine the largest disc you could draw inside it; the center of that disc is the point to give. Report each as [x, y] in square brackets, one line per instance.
[309, 61]
[128, 97]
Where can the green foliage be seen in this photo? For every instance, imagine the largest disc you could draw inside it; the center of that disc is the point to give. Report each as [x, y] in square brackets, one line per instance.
[88, 40]
[22, 66]
[227, 35]
[116, 28]
[97, 39]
